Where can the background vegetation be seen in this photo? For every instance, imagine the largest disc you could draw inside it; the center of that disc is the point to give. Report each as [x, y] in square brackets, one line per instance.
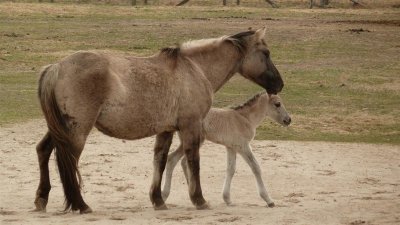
[340, 66]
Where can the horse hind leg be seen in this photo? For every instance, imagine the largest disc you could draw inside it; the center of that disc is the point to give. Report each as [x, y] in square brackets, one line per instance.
[67, 153]
[43, 150]
[161, 148]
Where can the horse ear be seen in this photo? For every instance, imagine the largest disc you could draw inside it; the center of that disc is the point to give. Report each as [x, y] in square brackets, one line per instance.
[260, 33]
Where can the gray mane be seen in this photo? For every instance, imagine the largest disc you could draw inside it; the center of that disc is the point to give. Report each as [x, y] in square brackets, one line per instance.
[237, 40]
[249, 102]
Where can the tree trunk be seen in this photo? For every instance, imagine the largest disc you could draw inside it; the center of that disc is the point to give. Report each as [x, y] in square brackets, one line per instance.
[323, 3]
[356, 3]
[237, 2]
[223, 2]
[182, 2]
[145, 2]
[133, 2]
[272, 3]
[311, 4]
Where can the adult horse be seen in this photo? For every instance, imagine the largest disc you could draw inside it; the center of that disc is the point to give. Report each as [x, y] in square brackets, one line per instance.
[131, 97]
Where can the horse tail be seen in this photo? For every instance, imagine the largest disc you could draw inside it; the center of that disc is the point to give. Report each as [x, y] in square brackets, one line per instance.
[59, 130]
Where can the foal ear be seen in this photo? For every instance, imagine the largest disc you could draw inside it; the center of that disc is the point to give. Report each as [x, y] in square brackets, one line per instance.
[260, 33]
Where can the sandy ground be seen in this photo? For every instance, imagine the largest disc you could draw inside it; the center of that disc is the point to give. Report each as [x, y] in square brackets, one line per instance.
[311, 183]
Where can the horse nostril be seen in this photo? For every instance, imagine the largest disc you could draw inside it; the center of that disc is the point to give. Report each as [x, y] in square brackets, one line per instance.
[287, 121]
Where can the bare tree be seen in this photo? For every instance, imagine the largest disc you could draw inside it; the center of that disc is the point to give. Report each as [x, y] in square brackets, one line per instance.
[182, 2]
[323, 3]
[357, 3]
[272, 3]
[133, 2]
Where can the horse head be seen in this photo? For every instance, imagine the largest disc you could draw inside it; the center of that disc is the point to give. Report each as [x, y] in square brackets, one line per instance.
[257, 65]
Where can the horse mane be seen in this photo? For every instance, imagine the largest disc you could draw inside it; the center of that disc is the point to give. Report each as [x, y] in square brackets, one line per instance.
[239, 41]
[201, 45]
[172, 52]
[204, 45]
[249, 102]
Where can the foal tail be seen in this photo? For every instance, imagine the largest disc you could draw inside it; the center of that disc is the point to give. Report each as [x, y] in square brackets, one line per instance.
[60, 134]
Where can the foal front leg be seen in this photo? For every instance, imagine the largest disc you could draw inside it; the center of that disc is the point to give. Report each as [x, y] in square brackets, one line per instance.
[248, 156]
[161, 148]
[230, 171]
[192, 138]
[173, 159]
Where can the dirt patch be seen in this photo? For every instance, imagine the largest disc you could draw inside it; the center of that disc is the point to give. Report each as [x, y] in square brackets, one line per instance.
[320, 183]
[357, 30]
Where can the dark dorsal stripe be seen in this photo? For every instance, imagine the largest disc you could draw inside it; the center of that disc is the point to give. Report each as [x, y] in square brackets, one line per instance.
[249, 102]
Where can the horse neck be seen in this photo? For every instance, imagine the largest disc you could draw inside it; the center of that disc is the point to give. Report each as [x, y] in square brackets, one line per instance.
[256, 112]
[219, 64]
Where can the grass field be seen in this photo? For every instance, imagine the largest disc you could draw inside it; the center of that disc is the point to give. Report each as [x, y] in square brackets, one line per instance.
[341, 84]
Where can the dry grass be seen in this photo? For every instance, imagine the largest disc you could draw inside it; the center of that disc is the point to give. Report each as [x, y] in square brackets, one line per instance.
[341, 85]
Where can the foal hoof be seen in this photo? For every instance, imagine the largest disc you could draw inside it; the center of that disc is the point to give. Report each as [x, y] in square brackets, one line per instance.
[160, 207]
[271, 205]
[203, 206]
[40, 204]
[86, 210]
[164, 196]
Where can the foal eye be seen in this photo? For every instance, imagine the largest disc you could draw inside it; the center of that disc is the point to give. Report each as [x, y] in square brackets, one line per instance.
[278, 104]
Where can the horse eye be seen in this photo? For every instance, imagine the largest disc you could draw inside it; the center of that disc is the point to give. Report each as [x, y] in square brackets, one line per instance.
[278, 104]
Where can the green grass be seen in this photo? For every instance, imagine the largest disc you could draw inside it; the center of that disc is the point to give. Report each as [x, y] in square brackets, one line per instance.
[339, 85]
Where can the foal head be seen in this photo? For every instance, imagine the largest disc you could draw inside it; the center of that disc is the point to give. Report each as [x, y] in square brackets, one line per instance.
[257, 65]
[276, 110]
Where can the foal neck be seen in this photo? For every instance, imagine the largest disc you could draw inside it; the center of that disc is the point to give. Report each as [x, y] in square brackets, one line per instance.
[255, 109]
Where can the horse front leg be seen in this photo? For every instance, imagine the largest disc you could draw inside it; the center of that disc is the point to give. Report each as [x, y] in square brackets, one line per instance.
[192, 138]
[248, 156]
[161, 148]
[43, 150]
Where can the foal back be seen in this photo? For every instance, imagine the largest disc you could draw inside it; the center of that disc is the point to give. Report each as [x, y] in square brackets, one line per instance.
[227, 127]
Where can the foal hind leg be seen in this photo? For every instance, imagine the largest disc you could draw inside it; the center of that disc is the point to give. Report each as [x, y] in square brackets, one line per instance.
[248, 156]
[161, 148]
[185, 169]
[43, 149]
[173, 159]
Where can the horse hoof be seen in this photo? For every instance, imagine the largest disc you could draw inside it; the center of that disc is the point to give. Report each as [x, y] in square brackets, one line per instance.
[203, 206]
[271, 205]
[86, 210]
[40, 204]
[160, 207]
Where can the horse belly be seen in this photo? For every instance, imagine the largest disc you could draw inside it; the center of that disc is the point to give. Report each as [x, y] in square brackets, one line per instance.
[135, 121]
